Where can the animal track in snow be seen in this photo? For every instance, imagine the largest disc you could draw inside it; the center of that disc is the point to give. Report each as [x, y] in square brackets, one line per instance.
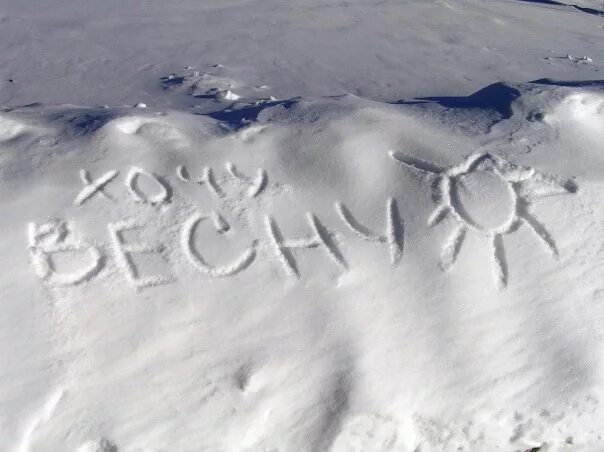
[491, 197]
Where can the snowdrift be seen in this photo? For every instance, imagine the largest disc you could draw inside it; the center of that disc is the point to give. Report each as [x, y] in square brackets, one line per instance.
[334, 274]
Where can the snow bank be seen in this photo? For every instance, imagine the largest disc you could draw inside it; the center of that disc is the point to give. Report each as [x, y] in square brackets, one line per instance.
[306, 275]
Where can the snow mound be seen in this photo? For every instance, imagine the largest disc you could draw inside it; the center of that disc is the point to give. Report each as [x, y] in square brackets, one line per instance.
[10, 129]
[97, 446]
[334, 274]
[584, 110]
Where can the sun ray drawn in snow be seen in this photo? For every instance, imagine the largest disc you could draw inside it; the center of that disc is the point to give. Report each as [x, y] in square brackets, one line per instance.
[520, 185]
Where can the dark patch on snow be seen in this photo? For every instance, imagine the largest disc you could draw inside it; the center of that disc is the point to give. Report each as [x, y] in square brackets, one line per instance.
[497, 97]
[235, 118]
[171, 81]
[576, 84]
[596, 12]
[89, 121]
[74, 121]
[17, 107]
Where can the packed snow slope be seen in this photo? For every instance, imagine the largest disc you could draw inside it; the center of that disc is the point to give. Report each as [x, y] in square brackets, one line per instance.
[337, 275]
[251, 226]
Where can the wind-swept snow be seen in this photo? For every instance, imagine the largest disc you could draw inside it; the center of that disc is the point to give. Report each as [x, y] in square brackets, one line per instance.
[109, 52]
[274, 227]
[339, 274]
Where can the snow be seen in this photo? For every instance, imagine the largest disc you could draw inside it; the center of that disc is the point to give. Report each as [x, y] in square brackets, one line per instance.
[269, 227]
[375, 49]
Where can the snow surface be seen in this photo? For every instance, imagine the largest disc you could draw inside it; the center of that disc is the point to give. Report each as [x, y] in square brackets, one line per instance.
[260, 226]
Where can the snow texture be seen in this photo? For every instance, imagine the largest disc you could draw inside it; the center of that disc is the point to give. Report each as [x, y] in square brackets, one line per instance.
[302, 226]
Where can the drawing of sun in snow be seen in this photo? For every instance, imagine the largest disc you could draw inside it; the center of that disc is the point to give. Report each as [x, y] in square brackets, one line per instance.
[489, 196]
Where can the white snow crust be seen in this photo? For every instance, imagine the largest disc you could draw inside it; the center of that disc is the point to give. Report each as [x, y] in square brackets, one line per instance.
[260, 226]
